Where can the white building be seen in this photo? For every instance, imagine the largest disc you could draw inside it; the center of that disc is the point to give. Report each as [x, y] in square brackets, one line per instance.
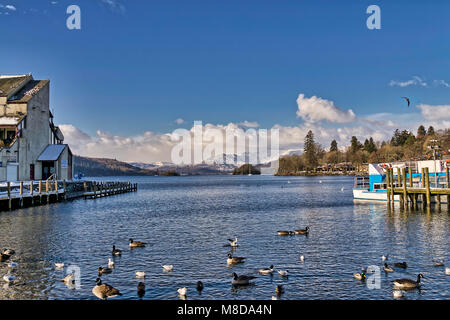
[31, 146]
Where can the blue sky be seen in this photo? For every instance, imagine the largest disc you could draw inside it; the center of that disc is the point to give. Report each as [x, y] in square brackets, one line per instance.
[136, 66]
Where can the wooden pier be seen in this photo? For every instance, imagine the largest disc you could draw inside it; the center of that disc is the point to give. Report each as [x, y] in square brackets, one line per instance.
[34, 193]
[412, 190]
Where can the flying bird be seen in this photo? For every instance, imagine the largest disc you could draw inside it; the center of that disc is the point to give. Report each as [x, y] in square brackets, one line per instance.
[407, 100]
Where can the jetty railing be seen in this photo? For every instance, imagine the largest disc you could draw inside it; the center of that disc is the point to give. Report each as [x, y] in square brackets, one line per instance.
[31, 193]
[410, 189]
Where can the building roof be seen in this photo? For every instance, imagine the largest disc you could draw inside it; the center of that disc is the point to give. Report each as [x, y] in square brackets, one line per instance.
[28, 91]
[10, 83]
[52, 152]
[10, 121]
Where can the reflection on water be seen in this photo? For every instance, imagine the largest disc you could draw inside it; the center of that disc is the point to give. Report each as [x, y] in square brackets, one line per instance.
[186, 221]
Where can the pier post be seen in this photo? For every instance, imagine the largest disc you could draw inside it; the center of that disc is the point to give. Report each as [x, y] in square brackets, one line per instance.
[405, 192]
[21, 193]
[9, 195]
[399, 178]
[447, 176]
[427, 186]
[46, 191]
[392, 185]
[64, 188]
[31, 188]
[410, 178]
[388, 185]
[95, 189]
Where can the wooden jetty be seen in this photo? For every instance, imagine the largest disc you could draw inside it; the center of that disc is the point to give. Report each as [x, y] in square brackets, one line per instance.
[412, 190]
[32, 193]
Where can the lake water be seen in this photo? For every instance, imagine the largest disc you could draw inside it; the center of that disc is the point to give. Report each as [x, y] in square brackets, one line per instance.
[186, 221]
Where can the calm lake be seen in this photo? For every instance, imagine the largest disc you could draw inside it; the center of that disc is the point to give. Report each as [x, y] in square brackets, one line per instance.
[186, 222]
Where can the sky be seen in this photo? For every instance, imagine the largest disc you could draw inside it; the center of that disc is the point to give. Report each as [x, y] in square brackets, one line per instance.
[137, 70]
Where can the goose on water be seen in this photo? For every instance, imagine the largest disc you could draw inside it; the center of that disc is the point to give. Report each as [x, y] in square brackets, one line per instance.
[283, 273]
[266, 270]
[408, 283]
[104, 291]
[387, 268]
[285, 233]
[167, 267]
[302, 231]
[401, 265]
[199, 286]
[116, 252]
[8, 252]
[69, 279]
[279, 289]
[104, 270]
[235, 260]
[384, 257]
[136, 244]
[140, 289]
[4, 257]
[140, 274]
[241, 280]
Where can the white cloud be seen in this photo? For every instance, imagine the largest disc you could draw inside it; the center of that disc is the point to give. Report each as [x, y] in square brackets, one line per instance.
[10, 7]
[114, 5]
[439, 112]
[179, 121]
[316, 109]
[415, 81]
[249, 124]
[441, 83]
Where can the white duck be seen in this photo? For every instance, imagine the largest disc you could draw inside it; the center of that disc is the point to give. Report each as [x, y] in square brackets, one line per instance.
[182, 291]
[167, 267]
[59, 265]
[111, 263]
[140, 274]
[283, 273]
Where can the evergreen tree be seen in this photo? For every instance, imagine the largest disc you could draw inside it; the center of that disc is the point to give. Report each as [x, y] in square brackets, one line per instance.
[355, 145]
[334, 146]
[430, 131]
[421, 132]
[310, 149]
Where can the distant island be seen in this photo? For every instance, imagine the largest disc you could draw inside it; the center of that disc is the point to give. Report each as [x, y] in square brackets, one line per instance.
[246, 169]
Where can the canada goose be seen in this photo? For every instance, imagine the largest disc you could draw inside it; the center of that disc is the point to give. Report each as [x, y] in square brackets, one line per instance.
[302, 231]
[360, 276]
[283, 273]
[8, 252]
[401, 265]
[69, 279]
[387, 268]
[302, 258]
[59, 265]
[13, 265]
[447, 270]
[279, 289]
[111, 264]
[397, 294]
[140, 274]
[102, 271]
[116, 252]
[384, 257]
[233, 243]
[408, 283]
[167, 267]
[141, 289]
[266, 270]
[235, 260]
[199, 286]
[9, 278]
[285, 233]
[136, 244]
[104, 291]
[182, 291]
[4, 257]
[241, 280]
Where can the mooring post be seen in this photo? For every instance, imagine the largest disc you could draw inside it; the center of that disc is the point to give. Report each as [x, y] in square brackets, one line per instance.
[392, 186]
[447, 176]
[410, 178]
[405, 192]
[388, 185]
[64, 188]
[427, 186]
[9, 196]
[31, 188]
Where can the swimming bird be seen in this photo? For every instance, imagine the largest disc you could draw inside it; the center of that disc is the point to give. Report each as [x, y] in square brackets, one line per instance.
[136, 244]
[279, 289]
[384, 257]
[182, 291]
[302, 231]
[274, 298]
[140, 274]
[8, 252]
[116, 252]
[360, 276]
[397, 294]
[407, 100]
[233, 243]
[285, 233]
[167, 267]
[447, 270]
[438, 263]
[408, 283]
[69, 279]
[320, 181]
[241, 280]
[342, 189]
[13, 265]
[283, 273]
[102, 270]
[199, 286]
[4, 257]
[104, 291]
[59, 265]
[111, 264]
[387, 268]
[302, 258]
[234, 260]
[401, 265]
[140, 289]
[266, 270]
[9, 278]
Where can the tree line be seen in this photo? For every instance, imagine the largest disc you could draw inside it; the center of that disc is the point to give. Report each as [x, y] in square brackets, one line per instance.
[403, 145]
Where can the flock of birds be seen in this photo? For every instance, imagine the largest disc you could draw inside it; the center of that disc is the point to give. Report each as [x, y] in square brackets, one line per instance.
[104, 291]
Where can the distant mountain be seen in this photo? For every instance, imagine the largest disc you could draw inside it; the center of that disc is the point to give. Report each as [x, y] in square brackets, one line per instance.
[97, 167]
